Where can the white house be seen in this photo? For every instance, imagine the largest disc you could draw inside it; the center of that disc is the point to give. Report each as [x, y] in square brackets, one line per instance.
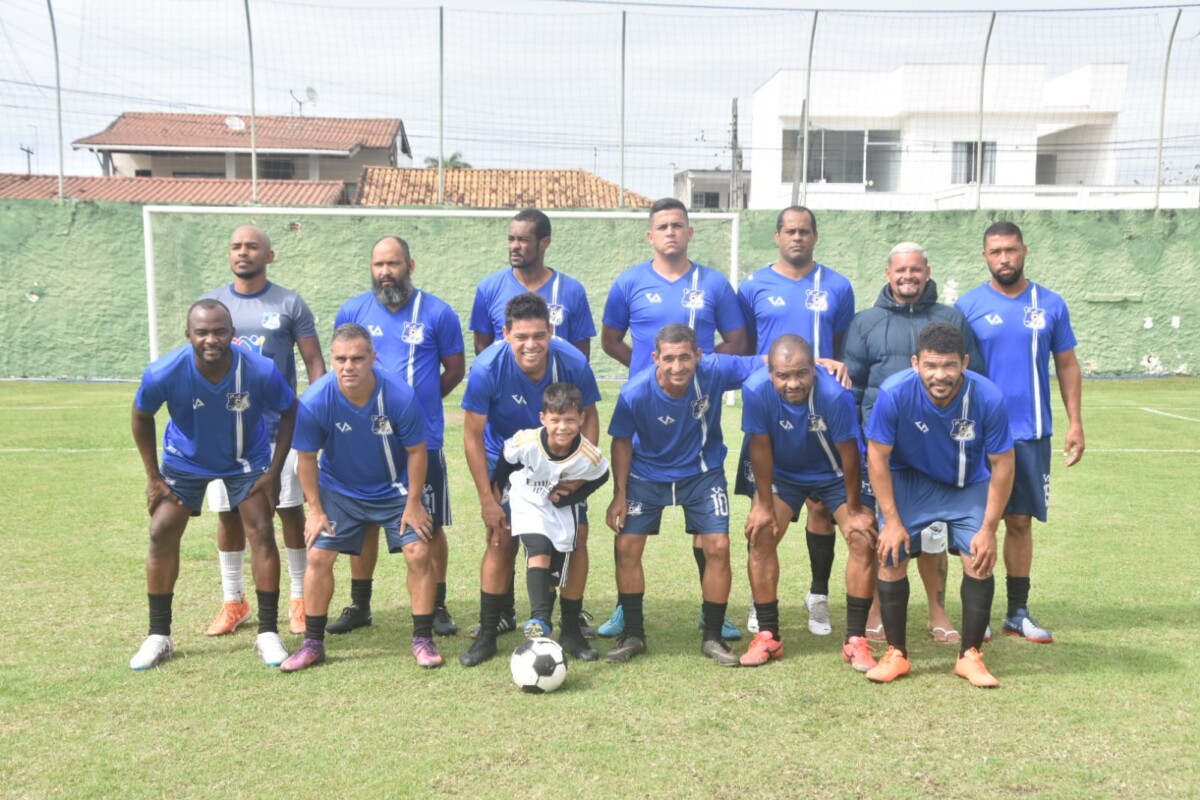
[907, 139]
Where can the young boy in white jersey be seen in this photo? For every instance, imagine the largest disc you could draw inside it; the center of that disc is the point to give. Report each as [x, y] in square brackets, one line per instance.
[544, 473]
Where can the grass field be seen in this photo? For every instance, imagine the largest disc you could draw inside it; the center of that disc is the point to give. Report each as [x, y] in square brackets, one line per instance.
[1109, 710]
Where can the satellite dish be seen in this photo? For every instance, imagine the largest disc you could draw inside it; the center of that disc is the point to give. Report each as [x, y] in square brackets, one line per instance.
[311, 94]
[235, 124]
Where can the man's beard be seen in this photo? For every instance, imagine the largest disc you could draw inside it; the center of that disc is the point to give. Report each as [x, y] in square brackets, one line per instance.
[395, 295]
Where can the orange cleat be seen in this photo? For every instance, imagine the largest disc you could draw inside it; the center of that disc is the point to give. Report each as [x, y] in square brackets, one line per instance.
[233, 613]
[970, 666]
[763, 648]
[296, 615]
[857, 653]
[893, 665]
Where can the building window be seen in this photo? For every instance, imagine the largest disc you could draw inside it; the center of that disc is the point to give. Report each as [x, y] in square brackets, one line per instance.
[142, 173]
[276, 169]
[702, 200]
[195, 174]
[870, 157]
[962, 167]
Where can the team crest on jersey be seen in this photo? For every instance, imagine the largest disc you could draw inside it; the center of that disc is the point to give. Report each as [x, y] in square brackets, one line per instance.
[994, 319]
[666, 419]
[786, 425]
[413, 333]
[921, 426]
[197, 403]
[633, 508]
[237, 401]
[700, 407]
[252, 343]
[777, 301]
[344, 427]
[816, 424]
[963, 430]
[375, 330]
[1035, 318]
[816, 300]
[270, 320]
[381, 425]
[653, 297]
[693, 299]
[557, 314]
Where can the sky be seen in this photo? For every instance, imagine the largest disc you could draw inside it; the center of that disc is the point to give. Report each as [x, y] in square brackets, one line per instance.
[537, 83]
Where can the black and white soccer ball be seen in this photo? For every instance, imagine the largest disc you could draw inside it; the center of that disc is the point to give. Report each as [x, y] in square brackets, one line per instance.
[538, 665]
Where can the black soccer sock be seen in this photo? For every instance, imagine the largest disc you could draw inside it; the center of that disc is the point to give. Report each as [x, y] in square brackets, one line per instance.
[701, 561]
[768, 617]
[537, 580]
[976, 596]
[314, 626]
[635, 625]
[570, 615]
[490, 606]
[714, 618]
[1018, 593]
[439, 597]
[360, 593]
[268, 611]
[510, 597]
[893, 607]
[857, 610]
[160, 614]
[423, 626]
[820, 558]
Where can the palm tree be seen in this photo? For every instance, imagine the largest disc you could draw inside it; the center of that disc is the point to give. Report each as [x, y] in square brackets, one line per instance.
[455, 161]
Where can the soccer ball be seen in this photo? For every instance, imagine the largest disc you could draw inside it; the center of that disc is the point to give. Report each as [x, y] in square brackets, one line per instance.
[538, 665]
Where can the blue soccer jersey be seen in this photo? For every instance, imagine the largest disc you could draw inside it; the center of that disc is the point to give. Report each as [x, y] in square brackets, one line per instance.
[949, 444]
[511, 401]
[1017, 335]
[570, 313]
[411, 343]
[364, 448]
[677, 438]
[804, 437]
[218, 428]
[818, 307]
[641, 301]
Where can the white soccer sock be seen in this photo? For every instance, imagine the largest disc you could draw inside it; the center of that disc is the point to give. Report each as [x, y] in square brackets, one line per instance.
[297, 559]
[232, 583]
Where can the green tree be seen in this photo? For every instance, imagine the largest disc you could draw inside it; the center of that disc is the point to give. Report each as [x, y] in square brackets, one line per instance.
[454, 161]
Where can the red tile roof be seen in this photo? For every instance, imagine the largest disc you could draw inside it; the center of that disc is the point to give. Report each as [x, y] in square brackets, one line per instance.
[492, 188]
[200, 191]
[145, 131]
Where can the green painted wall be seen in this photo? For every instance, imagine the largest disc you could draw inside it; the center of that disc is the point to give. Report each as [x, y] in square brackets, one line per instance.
[74, 300]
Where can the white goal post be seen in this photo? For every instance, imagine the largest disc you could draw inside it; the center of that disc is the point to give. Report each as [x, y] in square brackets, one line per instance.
[149, 211]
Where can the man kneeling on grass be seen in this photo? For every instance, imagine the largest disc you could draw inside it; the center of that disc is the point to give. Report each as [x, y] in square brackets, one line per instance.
[926, 445]
[369, 427]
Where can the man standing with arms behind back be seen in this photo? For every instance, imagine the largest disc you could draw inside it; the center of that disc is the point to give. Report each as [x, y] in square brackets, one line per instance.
[1020, 325]
[271, 321]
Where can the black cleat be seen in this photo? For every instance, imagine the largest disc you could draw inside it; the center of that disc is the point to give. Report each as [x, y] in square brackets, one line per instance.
[626, 648]
[507, 624]
[443, 623]
[719, 652]
[482, 649]
[585, 625]
[577, 646]
[352, 617]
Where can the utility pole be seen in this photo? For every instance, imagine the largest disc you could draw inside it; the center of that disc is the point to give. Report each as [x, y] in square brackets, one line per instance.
[28, 160]
[737, 199]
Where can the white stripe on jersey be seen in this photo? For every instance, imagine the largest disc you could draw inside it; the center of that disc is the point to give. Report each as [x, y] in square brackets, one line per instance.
[821, 435]
[816, 317]
[412, 347]
[387, 448]
[703, 422]
[239, 428]
[554, 299]
[695, 286]
[1033, 360]
[962, 444]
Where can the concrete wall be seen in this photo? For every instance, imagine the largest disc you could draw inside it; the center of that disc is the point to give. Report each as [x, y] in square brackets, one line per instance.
[74, 298]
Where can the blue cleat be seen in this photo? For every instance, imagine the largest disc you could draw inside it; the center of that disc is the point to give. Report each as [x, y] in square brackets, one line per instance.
[615, 625]
[537, 628]
[729, 629]
[1023, 625]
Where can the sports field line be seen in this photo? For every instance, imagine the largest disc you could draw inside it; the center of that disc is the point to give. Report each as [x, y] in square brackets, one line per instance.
[1166, 414]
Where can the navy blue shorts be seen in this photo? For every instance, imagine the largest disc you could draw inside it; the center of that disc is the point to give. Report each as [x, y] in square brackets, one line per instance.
[705, 501]
[922, 501]
[351, 516]
[1031, 481]
[190, 488]
[831, 493]
[436, 496]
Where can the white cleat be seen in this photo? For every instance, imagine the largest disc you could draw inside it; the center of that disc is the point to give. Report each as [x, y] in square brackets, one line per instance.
[155, 650]
[270, 647]
[818, 614]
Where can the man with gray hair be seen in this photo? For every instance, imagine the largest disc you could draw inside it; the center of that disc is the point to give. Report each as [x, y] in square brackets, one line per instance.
[881, 342]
